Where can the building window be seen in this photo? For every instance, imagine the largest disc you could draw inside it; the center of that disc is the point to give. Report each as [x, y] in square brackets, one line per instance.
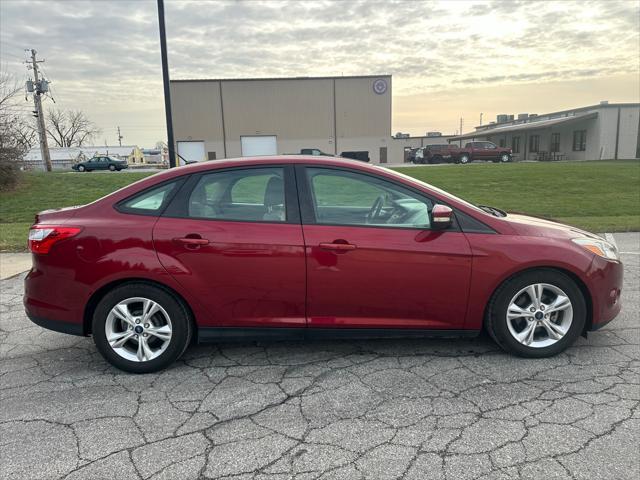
[555, 142]
[211, 155]
[579, 140]
[534, 143]
[515, 144]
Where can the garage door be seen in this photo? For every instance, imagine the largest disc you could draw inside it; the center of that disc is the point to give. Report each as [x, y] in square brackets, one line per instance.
[259, 145]
[191, 151]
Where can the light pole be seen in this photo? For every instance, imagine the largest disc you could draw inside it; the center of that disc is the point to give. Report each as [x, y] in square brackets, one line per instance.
[165, 80]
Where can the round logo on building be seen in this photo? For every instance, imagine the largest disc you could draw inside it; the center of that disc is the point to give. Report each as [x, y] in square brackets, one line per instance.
[380, 86]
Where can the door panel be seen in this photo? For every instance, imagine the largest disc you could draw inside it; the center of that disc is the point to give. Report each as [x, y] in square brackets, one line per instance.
[397, 278]
[372, 260]
[233, 238]
[248, 274]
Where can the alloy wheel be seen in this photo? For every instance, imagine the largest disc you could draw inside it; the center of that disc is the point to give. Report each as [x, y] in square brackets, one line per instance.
[539, 315]
[138, 329]
[504, 158]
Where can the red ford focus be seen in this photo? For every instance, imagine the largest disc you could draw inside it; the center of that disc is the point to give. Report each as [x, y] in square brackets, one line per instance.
[291, 247]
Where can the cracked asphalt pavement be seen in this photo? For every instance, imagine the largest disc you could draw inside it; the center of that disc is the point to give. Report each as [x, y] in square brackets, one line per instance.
[410, 409]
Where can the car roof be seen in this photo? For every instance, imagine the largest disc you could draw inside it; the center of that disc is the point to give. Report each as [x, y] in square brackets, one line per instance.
[270, 160]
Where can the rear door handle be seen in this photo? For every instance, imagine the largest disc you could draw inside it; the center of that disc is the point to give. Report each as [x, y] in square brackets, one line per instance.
[191, 240]
[341, 247]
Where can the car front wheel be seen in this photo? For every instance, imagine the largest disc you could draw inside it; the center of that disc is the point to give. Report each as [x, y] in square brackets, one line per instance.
[537, 314]
[141, 328]
[81, 168]
[112, 168]
[464, 158]
[505, 157]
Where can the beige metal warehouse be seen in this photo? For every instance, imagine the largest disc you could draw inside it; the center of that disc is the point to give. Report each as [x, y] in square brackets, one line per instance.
[215, 119]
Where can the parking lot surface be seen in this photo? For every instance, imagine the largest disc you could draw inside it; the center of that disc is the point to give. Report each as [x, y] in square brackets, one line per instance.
[410, 409]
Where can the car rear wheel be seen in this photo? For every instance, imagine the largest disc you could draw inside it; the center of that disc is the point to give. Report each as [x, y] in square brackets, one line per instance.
[537, 314]
[464, 158]
[141, 328]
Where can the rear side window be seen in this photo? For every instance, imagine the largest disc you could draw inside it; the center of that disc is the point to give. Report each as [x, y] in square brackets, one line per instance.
[249, 195]
[151, 201]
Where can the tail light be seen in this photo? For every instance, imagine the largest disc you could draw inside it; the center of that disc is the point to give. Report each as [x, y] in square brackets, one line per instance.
[43, 237]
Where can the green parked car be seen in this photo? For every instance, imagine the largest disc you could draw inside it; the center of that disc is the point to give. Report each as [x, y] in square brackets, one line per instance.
[100, 163]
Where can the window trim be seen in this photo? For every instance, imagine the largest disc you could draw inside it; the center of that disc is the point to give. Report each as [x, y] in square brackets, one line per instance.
[178, 207]
[179, 181]
[308, 212]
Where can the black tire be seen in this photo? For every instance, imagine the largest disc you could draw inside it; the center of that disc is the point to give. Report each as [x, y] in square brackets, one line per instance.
[436, 159]
[464, 159]
[112, 168]
[496, 321]
[182, 329]
[81, 168]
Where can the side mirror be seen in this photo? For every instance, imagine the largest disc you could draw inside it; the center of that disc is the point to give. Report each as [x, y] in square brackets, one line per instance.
[441, 217]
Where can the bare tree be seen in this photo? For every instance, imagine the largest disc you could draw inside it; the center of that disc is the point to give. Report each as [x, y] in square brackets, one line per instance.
[16, 130]
[70, 128]
[16, 133]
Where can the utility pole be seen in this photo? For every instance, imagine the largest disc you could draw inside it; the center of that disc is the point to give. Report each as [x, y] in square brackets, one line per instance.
[120, 137]
[480, 118]
[461, 131]
[39, 88]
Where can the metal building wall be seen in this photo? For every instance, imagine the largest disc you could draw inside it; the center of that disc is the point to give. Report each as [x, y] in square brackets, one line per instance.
[301, 112]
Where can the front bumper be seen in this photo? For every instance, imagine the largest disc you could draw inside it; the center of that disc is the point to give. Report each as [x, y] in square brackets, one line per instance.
[606, 279]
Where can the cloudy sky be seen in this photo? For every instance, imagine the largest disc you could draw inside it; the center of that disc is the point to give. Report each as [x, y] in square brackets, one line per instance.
[449, 59]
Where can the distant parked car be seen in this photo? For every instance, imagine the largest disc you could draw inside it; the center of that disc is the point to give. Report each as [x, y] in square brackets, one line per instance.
[362, 156]
[100, 163]
[438, 153]
[482, 151]
[315, 152]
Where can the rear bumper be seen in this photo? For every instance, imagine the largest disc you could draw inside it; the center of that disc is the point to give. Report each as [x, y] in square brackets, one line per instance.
[54, 301]
[606, 287]
[57, 325]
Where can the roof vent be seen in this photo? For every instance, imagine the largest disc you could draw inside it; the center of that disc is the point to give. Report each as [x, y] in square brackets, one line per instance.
[604, 102]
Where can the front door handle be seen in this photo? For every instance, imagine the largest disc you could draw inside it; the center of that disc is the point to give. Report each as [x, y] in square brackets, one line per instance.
[341, 247]
[191, 240]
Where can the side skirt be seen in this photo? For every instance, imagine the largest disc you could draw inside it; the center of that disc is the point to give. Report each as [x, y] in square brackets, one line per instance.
[230, 334]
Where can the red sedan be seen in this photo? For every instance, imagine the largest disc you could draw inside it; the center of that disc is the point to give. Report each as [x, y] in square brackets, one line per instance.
[291, 247]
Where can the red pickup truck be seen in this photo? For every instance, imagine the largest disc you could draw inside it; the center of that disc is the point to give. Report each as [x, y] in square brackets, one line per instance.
[471, 151]
[481, 151]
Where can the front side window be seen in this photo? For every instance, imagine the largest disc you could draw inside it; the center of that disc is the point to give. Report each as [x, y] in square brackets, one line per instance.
[579, 140]
[349, 198]
[249, 195]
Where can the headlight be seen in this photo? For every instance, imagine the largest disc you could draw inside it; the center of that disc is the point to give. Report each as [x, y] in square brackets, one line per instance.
[599, 247]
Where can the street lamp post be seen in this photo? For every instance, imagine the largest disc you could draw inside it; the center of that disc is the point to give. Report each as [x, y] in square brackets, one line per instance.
[165, 80]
